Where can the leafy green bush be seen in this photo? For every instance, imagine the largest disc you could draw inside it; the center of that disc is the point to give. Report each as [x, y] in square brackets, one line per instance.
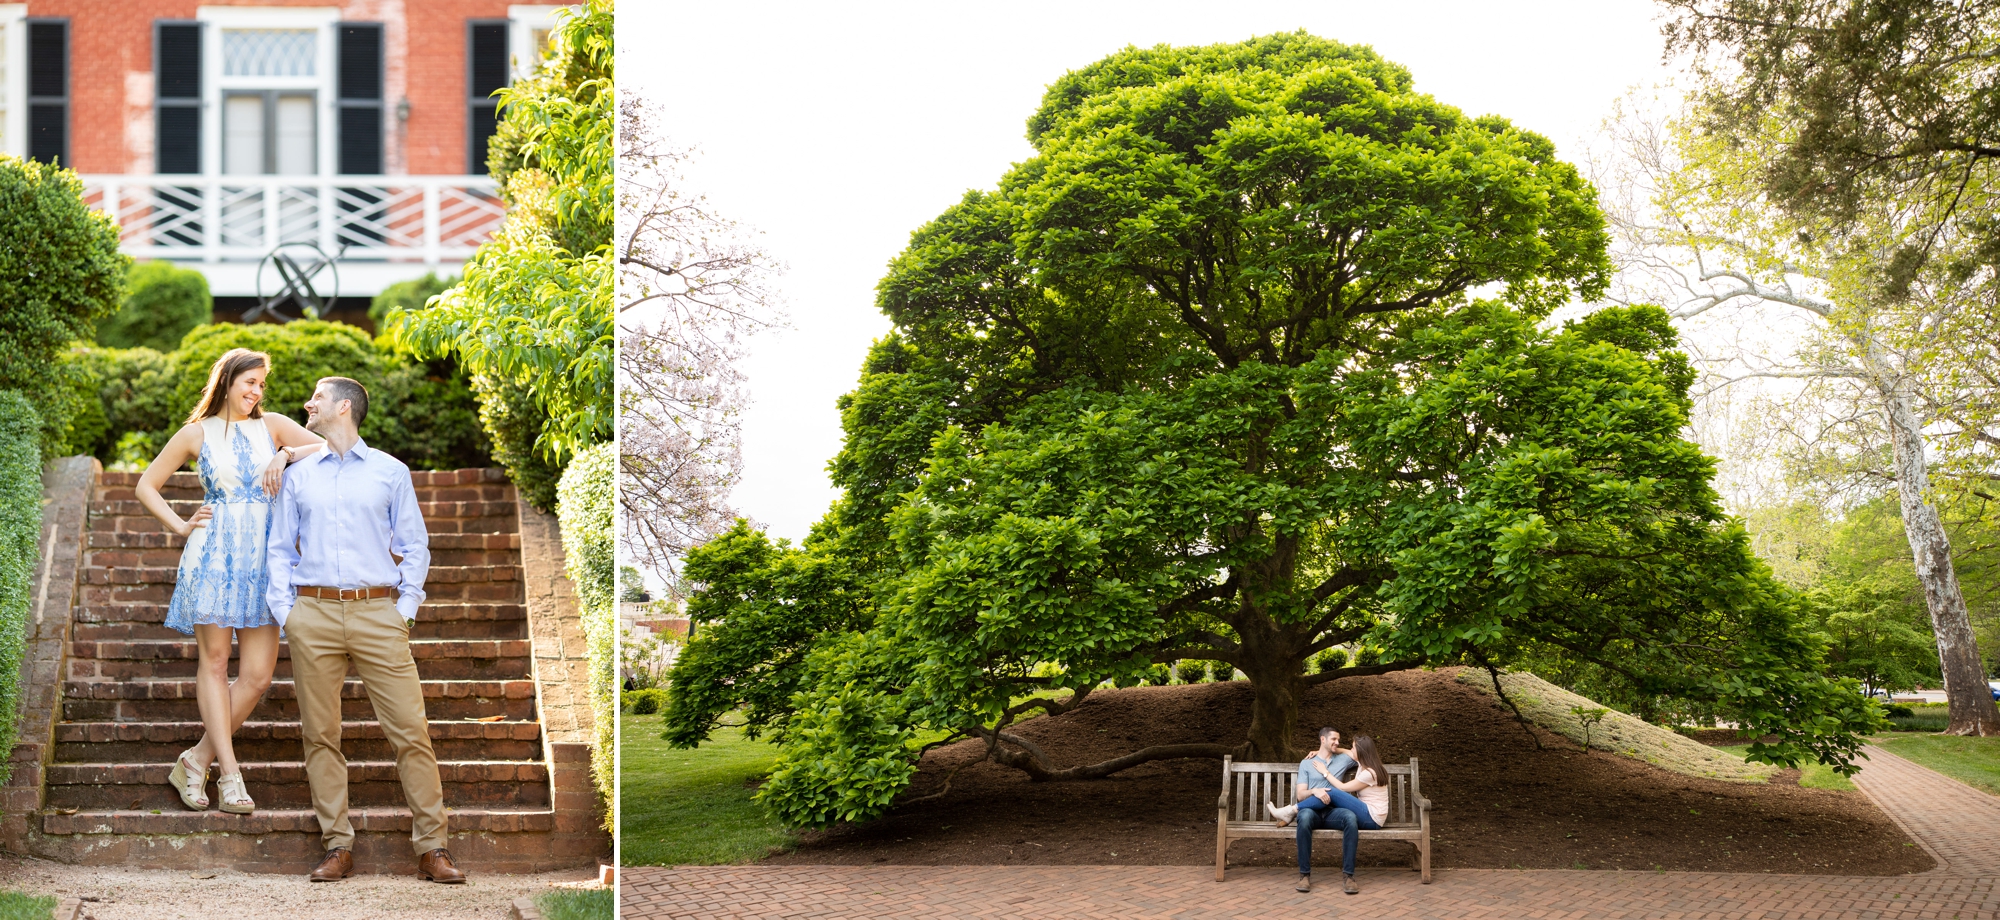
[20, 532]
[1367, 656]
[584, 500]
[513, 421]
[60, 272]
[645, 702]
[121, 391]
[407, 295]
[1898, 711]
[162, 303]
[1332, 659]
[1192, 672]
[1221, 671]
[133, 399]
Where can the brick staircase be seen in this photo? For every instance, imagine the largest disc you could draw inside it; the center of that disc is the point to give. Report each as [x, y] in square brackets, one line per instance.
[518, 800]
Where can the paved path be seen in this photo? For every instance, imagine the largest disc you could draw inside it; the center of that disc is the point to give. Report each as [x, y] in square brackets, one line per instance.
[1959, 825]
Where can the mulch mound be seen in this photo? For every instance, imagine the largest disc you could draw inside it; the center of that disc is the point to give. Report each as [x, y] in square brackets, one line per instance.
[1497, 802]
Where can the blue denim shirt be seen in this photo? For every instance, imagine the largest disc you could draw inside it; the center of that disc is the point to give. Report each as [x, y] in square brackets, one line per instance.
[1311, 778]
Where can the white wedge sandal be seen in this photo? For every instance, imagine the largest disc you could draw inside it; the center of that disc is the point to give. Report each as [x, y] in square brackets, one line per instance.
[190, 781]
[234, 799]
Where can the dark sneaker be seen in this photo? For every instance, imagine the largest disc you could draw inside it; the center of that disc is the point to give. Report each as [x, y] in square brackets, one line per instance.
[1347, 885]
[1305, 883]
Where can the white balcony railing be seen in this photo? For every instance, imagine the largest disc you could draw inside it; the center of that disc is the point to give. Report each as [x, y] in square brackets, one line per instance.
[429, 219]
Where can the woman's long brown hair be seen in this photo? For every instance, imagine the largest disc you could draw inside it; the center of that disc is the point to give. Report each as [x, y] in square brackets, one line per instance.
[222, 375]
[1365, 755]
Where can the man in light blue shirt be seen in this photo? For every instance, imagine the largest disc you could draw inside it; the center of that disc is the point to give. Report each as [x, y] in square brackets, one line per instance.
[1317, 773]
[347, 557]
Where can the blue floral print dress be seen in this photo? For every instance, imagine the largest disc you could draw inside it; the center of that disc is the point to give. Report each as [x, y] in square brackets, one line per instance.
[222, 579]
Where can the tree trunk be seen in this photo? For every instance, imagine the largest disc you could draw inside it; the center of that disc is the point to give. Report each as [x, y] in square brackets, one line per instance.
[1970, 700]
[1279, 687]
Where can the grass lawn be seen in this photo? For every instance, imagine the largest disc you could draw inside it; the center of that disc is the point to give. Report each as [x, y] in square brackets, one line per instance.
[692, 807]
[1812, 774]
[1973, 761]
[17, 906]
[594, 904]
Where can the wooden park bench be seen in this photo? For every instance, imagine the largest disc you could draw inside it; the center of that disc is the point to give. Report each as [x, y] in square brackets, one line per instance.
[1247, 786]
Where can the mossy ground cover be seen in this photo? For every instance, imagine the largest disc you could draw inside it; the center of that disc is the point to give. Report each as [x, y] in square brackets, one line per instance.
[693, 807]
[1549, 706]
[1973, 761]
[17, 906]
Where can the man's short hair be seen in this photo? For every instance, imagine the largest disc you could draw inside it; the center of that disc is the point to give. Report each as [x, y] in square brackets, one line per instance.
[1326, 730]
[351, 390]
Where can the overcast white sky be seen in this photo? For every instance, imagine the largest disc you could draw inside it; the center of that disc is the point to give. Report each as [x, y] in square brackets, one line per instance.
[837, 129]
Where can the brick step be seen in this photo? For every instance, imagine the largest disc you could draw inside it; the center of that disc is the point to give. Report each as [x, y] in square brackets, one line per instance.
[169, 558]
[475, 592]
[160, 539]
[112, 515]
[172, 700]
[421, 479]
[100, 572]
[189, 489]
[484, 840]
[161, 742]
[141, 621]
[283, 784]
[437, 659]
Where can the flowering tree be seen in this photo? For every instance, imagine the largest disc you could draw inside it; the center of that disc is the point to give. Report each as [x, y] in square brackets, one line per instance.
[692, 286]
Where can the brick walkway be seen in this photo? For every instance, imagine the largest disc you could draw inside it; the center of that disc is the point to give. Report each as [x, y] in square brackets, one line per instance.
[1959, 825]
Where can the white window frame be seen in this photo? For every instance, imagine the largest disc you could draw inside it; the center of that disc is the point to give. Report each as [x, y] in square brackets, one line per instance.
[522, 21]
[14, 79]
[322, 84]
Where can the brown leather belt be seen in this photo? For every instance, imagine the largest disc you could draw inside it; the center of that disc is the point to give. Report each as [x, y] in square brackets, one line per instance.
[345, 594]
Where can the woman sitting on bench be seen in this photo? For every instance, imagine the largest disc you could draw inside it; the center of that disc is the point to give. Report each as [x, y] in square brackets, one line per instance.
[1361, 803]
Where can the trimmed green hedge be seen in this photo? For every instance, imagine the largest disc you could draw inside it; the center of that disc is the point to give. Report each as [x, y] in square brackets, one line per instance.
[163, 302]
[20, 533]
[407, 295]
[133, 399]
[644, 702]
[584, 502]
[60, 271]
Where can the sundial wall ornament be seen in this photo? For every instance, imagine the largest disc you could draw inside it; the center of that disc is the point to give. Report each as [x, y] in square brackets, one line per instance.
[295, 269]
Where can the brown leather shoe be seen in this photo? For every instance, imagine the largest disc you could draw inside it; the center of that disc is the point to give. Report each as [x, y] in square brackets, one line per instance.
[436, 866]
[337, 864]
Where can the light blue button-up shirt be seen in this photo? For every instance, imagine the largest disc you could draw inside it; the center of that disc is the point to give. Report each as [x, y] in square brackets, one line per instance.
[1311, 778]
[340, 522]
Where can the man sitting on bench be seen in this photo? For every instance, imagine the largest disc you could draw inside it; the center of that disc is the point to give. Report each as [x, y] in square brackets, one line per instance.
[1318, 774]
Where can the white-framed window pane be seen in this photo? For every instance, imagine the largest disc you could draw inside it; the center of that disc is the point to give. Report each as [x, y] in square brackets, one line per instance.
[269, 52]
[243, 136]
[295, 136]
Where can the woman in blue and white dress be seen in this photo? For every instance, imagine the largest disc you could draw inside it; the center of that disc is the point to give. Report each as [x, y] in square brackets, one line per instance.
[241, 454]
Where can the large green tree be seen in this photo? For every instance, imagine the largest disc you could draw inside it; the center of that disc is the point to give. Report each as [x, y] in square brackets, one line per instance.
[1206, 378]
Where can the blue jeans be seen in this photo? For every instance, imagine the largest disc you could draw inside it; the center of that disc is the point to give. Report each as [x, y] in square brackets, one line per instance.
[1346, 813]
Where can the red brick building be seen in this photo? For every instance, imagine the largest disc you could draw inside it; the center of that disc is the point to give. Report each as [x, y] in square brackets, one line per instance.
[216, 132]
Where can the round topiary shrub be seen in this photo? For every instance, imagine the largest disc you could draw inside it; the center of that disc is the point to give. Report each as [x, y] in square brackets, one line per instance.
[1367, 656]
[163, 302]
[1332, 659]
[1192, 672]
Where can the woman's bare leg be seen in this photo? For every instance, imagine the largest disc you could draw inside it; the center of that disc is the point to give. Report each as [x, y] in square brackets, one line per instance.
[257, 657]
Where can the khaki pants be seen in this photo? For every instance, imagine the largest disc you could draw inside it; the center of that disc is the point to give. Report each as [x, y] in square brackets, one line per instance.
[324, 635]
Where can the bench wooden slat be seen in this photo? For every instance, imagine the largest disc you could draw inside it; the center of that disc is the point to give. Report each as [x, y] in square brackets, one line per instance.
[1240, 812]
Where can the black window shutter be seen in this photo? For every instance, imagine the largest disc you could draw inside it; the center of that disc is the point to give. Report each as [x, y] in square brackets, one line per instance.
[177, 97]
[48, 90]
[486, 70]
[360, 98]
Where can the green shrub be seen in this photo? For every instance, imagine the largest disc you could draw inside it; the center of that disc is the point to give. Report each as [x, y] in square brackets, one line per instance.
[584, 501]
[120, 392]
[20, 532]
[513, 420]
[407, 295]
[1221, 671]
[1897, 710]
[1367, 656]
[1192, 672]
[60, 272]
[645, 702]
[1332, 659]
[162, 303]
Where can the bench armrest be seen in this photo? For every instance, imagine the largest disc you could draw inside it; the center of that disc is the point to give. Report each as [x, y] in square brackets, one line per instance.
[1423, 804]
[1222, 803]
